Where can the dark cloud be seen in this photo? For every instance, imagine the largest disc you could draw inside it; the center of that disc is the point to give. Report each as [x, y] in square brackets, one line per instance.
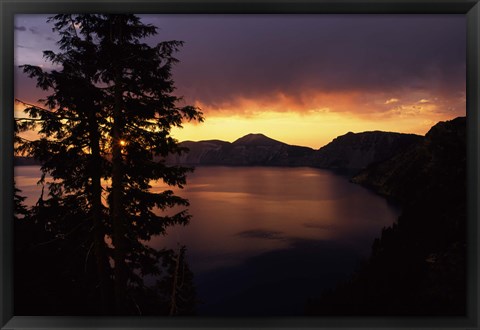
[34, 30]
[226, 57]
[232, 57]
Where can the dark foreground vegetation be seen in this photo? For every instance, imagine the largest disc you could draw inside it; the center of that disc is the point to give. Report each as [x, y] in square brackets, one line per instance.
[418, 265]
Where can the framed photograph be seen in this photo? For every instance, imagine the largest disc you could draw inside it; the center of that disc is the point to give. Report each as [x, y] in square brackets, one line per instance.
[224, 165]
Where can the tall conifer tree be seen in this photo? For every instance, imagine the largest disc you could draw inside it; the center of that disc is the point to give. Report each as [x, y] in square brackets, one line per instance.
[110, 115]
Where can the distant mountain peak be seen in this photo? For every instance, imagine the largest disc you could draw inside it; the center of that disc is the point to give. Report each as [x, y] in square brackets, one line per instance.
[256, 139]
[351, 151]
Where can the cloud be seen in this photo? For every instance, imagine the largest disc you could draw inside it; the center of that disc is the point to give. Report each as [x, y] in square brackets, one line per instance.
[393, 100]
[246, 64]
[227, 60]
[33, 30]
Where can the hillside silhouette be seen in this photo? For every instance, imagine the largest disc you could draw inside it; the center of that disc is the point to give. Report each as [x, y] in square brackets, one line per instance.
[352, 151]
[418, 265]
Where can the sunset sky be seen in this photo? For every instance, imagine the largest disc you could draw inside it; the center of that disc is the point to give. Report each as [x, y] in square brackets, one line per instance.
[300, 79]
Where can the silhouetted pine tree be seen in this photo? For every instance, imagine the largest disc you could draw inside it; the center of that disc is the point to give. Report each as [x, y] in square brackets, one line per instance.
[70, 129]
[110, 115]
[19, 208]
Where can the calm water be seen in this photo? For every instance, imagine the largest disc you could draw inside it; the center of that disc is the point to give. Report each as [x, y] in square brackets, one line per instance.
[263, 240]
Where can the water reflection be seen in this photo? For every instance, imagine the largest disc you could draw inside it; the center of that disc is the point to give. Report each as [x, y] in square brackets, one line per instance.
[243, 212]
[266, 236]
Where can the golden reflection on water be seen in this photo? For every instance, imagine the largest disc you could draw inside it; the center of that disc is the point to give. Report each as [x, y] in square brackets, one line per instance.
[265, 237]
[240, 212]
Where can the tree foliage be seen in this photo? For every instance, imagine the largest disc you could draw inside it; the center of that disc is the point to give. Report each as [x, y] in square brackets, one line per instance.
[108, 116]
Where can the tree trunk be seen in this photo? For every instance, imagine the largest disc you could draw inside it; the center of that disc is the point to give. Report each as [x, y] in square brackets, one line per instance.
[101, 258]
[173, 296]
[120, 271]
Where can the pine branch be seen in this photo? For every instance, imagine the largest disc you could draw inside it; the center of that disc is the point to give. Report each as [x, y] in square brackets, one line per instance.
[24, 139]
[28, 119]
[50, 112]
[74, 28]
[33, 106]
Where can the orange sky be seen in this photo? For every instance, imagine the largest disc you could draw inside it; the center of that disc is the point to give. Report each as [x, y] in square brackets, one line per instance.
[323, 117]
[271, 74]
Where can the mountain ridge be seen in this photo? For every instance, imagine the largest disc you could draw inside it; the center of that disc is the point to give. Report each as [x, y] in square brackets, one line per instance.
[351, 151]
[254, 149]
[358, 150]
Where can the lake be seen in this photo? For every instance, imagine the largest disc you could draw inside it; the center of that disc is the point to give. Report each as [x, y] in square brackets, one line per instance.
[262, 240]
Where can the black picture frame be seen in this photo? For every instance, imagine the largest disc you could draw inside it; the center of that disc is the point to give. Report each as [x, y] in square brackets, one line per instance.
[9, 8]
